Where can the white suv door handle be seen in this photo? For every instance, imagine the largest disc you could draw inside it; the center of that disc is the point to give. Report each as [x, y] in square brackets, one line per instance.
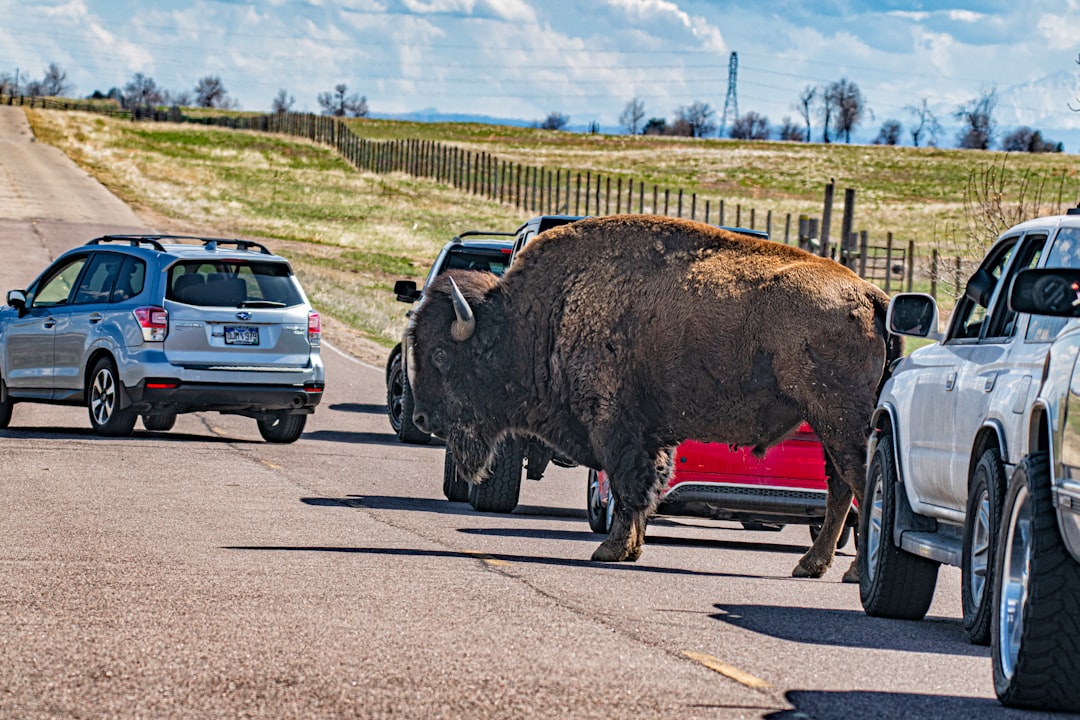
[95, 318]
[950, 381]
[49, 323]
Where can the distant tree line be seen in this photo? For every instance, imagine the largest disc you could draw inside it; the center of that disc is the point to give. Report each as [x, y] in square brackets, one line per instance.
[835, 108]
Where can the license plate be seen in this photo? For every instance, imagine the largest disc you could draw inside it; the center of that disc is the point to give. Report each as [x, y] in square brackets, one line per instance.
[241, 335]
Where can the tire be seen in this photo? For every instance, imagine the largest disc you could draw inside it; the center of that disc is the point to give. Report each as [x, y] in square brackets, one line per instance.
[282, 427]
[103, 394]
[981, 527]
[499, 492]
[596, 511]
[6, 406]
[845, 535]
[399, 405]
[1035, 625]
[893, 583]
[159, 423]
[454, 488]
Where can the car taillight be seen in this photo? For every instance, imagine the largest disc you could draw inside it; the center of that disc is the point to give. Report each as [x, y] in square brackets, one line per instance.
[314, 328]
[154, 322]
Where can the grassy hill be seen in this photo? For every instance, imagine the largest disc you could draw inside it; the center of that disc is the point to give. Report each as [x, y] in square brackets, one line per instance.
[350, 234]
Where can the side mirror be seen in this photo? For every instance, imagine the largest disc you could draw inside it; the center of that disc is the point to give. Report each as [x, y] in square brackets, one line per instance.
[406, 291]
[914, 315]
[980, 287]
[17, 300]
[1046, 291]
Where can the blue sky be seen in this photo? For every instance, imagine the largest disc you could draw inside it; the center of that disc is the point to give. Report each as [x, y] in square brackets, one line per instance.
[526, 58]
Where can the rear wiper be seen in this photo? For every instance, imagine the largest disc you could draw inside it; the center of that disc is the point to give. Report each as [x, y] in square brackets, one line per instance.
[261, 304]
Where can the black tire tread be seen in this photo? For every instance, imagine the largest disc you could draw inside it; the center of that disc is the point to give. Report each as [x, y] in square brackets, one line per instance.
[454, 488]
[1048, 663]
[977, 619]
[499, 492]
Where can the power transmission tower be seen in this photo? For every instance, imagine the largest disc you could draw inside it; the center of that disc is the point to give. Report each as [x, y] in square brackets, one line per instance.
[731, 102]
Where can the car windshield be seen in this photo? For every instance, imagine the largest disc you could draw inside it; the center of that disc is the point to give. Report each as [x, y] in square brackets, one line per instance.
[233, 284]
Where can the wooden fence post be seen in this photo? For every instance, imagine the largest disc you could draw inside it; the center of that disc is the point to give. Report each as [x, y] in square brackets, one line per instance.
[826, 218]
[888, 261]
[911, 264]
[864, 247]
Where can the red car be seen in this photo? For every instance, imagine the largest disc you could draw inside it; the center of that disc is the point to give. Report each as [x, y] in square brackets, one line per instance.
[786, 486]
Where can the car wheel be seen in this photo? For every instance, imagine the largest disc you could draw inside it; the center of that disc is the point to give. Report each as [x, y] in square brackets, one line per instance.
[6, 406]
[159, 423]
[282, 427]
[1035, 624]
[499, 492]
[845, 535]
[597, 511]
[454, 488]
[983, 519]
[399, 405]
[103, 402]
[893, 583]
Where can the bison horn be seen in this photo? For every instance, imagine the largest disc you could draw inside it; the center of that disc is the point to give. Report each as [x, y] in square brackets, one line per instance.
[462, 328]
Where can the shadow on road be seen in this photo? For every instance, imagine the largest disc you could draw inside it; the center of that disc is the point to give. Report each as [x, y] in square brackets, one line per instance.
[852, 628]
[343, 436]
[442, 507]
[888, 706]
[65, 433]
[487, 557]
[371, 408]
[708, 543]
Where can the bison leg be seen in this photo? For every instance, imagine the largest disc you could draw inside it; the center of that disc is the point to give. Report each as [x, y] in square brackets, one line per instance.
[634, 486]
[819, 557]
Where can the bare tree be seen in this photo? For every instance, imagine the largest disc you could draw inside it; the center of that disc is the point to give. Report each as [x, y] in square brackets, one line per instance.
[632, 115]
[848, 106]
[790, 131]
[889, 134]
[978, 118]
[698, 118]
[750, 126]
[55, 82]
[655, 126]
[554, 121]
[926, 123]
[283, 102]
[211, 93]
[179, 99]
[805, 107]
[8, 85]
[142, 91]
[1075, 109]
[340, 104]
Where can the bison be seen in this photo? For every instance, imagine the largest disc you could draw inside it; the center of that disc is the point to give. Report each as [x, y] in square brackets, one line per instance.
[614, 339]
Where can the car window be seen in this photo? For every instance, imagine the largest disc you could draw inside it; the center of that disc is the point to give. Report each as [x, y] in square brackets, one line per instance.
[1002, 322]
[55, 289]
[1065, 252]
[465, 259]
[98, 280]
[968, 316]
[233, 284]
[130, 280]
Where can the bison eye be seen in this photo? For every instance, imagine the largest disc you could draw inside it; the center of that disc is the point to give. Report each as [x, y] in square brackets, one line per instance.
[438, 357]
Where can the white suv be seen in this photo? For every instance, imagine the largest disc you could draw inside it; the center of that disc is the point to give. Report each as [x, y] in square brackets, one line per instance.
[953, 423]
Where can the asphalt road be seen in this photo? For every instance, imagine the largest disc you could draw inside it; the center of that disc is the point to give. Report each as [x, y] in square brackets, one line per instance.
[204, 573]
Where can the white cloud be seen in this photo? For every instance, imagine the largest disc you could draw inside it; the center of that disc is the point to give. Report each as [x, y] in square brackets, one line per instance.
[967, 16]
[1060, 31]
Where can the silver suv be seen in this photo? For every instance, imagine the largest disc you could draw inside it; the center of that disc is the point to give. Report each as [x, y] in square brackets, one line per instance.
[960, 429]
[156, 325]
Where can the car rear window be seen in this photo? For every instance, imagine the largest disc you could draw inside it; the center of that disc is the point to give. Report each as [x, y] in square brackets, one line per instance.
[233, 284]
[493, 262]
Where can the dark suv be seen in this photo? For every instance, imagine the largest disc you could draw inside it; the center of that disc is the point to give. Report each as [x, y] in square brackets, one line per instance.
[156, 325]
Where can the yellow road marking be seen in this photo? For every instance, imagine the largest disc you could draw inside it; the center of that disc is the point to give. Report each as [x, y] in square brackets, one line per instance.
[270, 465]
[487, 559]
[726, 670]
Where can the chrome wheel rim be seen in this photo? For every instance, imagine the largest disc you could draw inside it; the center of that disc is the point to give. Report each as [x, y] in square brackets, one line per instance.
[397, 393]
[595, 508]
[1015, 576]
[102, 396]
[979, 562]
[873, 526]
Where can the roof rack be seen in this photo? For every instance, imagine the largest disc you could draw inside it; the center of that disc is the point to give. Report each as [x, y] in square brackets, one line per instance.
[155, 241]
[470, 233]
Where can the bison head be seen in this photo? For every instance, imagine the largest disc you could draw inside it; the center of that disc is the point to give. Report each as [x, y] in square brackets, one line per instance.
[458, 367]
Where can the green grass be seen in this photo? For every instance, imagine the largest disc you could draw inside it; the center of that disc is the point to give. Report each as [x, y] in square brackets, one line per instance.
[350, 234]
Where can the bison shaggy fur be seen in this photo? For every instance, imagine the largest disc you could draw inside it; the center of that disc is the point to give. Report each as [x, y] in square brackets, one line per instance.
[614, 339]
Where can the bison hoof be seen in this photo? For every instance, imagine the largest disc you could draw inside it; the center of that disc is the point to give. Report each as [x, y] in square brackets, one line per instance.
[806, 569]
[607, 553]
[852, 574]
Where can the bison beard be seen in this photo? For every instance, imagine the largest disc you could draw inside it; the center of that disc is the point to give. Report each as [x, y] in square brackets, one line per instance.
[614, 339]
